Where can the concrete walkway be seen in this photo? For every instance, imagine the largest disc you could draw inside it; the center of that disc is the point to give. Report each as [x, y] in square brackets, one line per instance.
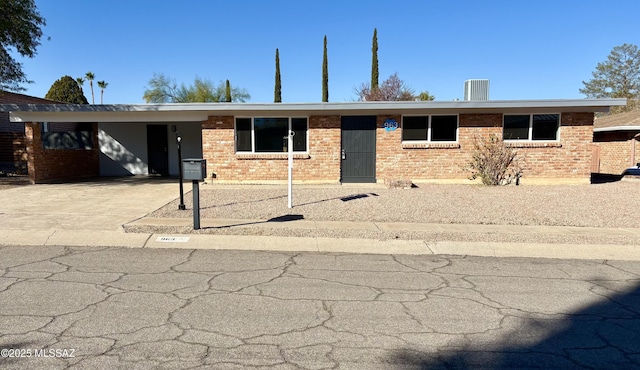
[92, 213]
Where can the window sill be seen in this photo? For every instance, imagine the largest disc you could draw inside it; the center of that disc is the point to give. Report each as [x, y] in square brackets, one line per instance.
[277, 156]
[430, 145]
[533, 144]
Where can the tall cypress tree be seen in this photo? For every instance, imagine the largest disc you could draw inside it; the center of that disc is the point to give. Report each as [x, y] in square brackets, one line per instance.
[277, 96]
[325, 73]
[374, 60]
[227, 93]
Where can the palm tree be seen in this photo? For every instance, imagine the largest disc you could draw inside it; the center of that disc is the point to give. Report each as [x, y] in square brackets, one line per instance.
[80, 81]
[102, 85]
[90, 76]
[425, 96]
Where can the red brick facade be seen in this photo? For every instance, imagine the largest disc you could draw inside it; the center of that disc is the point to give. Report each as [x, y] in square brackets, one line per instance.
[619, 150]
[51, 165]
[569, 158]
[321, 164]
[13, 151]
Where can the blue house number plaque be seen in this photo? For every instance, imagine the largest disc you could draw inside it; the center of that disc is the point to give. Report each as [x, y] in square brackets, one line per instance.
[390, 124]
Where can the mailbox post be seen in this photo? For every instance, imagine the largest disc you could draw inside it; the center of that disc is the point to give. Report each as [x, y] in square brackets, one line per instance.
[195, 169]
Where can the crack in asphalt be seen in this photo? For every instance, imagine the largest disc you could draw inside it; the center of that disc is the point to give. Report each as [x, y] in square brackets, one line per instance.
[307, 310]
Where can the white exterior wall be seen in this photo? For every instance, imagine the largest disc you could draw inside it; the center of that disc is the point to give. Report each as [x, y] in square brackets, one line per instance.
[123, 146]
[191, 133]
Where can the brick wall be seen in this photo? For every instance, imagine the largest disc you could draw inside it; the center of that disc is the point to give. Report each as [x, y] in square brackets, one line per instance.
[7, 126]
[321, 164]
[570, 158]
[52, 165]
[430, 161]
[13, 152]
[616, 150]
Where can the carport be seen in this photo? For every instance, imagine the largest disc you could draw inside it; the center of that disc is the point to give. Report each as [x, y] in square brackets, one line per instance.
[66, 142]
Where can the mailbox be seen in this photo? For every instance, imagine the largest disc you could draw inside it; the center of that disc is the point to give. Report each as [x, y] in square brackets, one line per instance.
[194, 169]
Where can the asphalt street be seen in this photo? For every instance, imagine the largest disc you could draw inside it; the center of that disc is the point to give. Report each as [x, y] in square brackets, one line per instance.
[99, 308]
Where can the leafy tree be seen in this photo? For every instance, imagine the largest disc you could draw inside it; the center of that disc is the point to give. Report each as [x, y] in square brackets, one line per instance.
[325, 73]
[277, 94]
[102, 85]
[227, 92]
[90, 76]
[20, 31]
[392, 89]
[66, 90]
[163, 89]
[617, 77]
[374, 60]
[425, 96]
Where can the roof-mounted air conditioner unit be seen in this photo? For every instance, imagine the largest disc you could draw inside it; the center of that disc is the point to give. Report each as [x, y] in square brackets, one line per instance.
[476, 90]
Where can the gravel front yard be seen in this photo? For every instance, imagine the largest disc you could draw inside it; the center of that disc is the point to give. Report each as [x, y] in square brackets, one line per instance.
[611, 205]
[602, 205]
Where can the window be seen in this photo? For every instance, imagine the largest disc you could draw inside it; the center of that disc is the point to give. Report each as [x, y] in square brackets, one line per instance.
[531, 127]
[58, 135]
[430, 128]
[269, 134]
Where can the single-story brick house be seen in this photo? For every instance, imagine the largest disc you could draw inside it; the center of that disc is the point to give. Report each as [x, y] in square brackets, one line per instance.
[617, 142]
[334, 142]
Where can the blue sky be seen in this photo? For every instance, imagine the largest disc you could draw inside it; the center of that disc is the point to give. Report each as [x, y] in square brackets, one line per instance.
[527, 49]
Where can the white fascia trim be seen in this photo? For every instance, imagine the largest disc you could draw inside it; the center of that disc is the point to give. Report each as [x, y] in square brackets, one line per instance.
[617, 128]
[201, 111]
[315, 107]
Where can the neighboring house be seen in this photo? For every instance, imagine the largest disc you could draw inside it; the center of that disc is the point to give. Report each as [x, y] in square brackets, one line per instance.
[362, 142]
[617, 142]
[13, 147]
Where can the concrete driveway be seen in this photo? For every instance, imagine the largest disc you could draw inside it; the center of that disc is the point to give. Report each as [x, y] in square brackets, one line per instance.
[99, 204]
[91, 214]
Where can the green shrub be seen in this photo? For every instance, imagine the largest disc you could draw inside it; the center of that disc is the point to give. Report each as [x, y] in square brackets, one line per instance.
[66, 90]
[493, 162]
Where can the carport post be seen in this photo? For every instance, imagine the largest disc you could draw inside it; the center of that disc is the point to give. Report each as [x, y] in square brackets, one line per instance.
[181, 206]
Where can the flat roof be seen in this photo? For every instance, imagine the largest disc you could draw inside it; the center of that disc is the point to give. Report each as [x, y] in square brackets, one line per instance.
[627, 121]
[201, 111]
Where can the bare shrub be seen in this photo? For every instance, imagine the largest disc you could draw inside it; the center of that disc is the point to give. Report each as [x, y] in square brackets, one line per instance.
[494, 162]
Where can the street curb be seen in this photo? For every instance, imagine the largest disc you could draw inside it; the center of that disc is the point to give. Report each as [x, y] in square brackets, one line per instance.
[118, 238]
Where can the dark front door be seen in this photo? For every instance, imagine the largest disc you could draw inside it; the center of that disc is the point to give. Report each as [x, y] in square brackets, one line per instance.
[158, 149]
[358, 149]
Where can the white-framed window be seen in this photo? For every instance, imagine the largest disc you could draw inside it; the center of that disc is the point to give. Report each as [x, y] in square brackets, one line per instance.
[531, 127]
[269, 134]
[432, 128]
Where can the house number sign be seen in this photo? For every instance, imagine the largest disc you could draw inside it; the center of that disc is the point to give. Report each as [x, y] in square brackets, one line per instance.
[390, 124]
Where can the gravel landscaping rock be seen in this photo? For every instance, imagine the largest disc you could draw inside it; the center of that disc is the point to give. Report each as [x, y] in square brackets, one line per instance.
[603, 205]
[610, 205]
